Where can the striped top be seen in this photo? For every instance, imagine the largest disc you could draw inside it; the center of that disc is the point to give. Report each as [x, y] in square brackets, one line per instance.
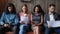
[36, 18]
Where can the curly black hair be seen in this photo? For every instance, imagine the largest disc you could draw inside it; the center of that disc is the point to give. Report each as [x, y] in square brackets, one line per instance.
[40, 9]
[10, 5]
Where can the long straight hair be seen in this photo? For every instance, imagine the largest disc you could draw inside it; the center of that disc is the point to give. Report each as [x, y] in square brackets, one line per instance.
[26, 8]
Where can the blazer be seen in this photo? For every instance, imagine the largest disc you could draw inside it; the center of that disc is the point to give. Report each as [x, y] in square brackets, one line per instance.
[47, 18]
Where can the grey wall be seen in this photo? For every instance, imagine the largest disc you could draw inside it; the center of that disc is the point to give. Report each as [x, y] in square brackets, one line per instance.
[44, 4]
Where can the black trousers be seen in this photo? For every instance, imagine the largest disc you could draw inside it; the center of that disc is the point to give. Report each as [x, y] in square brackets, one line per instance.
[6, 29]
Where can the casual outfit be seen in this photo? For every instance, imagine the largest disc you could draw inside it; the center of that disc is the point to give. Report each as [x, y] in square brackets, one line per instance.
[37, 20]
[11, 19]
[24, 27]
[51, 17]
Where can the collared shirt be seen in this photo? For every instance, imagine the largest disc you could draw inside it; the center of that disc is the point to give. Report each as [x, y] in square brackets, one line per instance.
[9, 18]
[51, 17]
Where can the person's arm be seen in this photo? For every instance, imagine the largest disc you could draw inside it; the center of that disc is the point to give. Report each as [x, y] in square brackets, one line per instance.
[19, 18]
[41, 20]
[21, 22]
[31, 19]
[16, 20]
[2, 19]
[29, 16]
[45, 20]
[32, 22]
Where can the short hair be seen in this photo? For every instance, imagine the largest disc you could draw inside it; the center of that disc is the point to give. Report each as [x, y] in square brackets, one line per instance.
[52, 5]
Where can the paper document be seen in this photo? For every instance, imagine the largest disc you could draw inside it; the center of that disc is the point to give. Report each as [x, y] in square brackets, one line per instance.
[24, 19]
[53, 23]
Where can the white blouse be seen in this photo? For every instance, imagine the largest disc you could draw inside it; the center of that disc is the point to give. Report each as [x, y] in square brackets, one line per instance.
[25, 19]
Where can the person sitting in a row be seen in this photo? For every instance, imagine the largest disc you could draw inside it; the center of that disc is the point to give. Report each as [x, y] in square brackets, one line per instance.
[9, 18]
[37, 19]
[24, 20]
[51, 16]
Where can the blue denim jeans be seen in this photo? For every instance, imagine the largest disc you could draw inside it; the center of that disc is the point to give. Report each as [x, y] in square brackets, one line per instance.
[50, 30]
[23, 29]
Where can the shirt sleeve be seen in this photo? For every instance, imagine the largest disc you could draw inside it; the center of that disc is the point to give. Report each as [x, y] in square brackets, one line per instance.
[16, 20]
[2, 19]
[45, 21]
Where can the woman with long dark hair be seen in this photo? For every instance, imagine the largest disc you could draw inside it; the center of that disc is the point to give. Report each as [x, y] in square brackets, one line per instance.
[9, 18]
[37, 19]
[24, 20]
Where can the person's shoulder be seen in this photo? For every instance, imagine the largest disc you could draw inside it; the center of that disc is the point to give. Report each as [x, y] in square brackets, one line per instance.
[46, 14]
[32, 13]
[19, 13]
[56, 13]
[4, 13]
